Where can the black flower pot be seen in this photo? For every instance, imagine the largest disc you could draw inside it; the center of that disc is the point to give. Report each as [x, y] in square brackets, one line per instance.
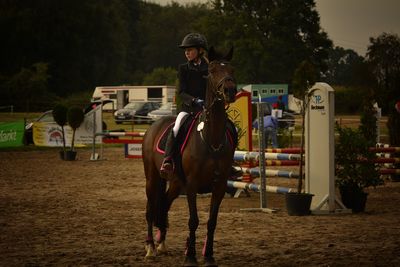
[70, 155]
[353, 199]
[298, 204]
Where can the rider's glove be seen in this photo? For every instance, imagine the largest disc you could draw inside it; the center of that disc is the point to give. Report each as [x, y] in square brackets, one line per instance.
[198, 102]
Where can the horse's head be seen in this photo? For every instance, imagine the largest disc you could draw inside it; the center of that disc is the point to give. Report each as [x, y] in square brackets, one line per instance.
[221, 75]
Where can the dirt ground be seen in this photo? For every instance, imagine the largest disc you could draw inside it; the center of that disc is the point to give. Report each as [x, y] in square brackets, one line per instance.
[85, 213]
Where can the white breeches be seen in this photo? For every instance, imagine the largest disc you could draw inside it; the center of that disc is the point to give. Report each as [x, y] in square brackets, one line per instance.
[178, 120]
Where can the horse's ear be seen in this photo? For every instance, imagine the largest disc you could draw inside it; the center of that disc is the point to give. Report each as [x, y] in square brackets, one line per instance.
[211, 54]
[230, 54]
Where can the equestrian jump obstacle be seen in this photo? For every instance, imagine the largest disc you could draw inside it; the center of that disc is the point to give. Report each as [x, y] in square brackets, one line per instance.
[271, 156]
[132, 146]
[319, 137]
[275, 158]
[249, 159]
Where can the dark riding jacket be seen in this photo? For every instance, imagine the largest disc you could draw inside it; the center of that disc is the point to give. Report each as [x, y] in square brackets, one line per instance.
[192, 84]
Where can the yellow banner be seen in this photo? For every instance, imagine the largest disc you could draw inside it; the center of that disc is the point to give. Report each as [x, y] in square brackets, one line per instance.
[240, 113]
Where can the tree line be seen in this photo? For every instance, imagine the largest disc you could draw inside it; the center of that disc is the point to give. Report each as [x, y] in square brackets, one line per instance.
[55, 49]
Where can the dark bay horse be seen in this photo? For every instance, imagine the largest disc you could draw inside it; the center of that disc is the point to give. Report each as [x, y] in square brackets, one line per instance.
[205, 164]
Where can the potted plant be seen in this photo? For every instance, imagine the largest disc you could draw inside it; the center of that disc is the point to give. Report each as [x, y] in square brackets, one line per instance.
[354, 168]
[60, 117]
[299, 203]
[75, 117]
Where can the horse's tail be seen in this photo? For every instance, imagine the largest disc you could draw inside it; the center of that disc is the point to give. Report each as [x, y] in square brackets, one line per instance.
[161, 212]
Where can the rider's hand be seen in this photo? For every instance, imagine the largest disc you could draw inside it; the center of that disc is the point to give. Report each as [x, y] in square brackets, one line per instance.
[198, 102]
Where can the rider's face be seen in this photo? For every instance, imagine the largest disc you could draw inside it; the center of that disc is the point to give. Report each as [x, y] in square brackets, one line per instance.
[191, 53]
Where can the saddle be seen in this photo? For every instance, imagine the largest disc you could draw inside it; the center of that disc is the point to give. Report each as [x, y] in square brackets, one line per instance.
[185, 130]
[183, 134]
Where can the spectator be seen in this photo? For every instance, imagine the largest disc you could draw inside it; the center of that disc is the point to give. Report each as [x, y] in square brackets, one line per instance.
[270, 130]
[279, 104]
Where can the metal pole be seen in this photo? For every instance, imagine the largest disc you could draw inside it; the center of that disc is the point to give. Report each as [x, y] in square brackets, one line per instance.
[261, 145]
[94, 138]
[261, 142]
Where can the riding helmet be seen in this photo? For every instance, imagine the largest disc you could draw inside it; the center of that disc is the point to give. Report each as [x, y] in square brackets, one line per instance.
[194, 40]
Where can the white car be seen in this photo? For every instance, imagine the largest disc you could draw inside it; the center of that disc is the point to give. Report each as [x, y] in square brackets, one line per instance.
[166, 109]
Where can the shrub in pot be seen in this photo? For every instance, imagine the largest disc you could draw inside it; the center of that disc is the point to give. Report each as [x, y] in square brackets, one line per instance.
[60, 117]
[75, 117]
[354, 167]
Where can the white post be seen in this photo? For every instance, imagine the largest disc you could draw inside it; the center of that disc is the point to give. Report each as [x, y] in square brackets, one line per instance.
[320, 150]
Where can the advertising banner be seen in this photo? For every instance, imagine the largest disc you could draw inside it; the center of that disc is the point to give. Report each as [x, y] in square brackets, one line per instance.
[50, 133]
[240, 113]
[12, 134]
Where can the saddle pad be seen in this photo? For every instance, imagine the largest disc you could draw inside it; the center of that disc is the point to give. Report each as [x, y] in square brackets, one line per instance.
[186, 129]
[183, 134]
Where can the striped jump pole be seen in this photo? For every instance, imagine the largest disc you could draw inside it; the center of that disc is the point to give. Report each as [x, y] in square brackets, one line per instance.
[386, 160]
[255, 172]
[257, 188]
[293, 150]
[131, 134]
[380, 147]
[389, 171]
[282, 162]
[254, 156]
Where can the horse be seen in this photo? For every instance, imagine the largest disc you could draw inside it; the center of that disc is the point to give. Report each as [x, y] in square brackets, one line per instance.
[205, 164]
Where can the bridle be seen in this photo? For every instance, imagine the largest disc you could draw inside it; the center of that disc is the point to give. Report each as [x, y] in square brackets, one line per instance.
[218, 96]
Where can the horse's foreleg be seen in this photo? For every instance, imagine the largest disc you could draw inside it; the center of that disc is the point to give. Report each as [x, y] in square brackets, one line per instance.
[208, 248]
[193, 224]
[172, 194]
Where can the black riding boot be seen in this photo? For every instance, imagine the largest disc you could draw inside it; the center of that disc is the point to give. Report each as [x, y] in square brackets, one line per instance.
[167, 167]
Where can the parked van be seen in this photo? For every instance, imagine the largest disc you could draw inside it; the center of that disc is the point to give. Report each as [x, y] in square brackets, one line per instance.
[122, 95]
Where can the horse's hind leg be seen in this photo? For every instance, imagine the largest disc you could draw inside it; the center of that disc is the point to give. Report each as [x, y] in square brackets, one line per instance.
[150, 247]
[150, 213]
[155, 191]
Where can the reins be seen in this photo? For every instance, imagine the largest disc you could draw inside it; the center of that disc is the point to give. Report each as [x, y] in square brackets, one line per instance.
[203, 119]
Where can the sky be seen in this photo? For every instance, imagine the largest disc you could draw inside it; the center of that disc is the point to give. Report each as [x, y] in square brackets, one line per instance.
[350, 23]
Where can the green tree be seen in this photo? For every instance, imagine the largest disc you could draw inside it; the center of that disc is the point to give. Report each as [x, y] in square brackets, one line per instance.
[161, 76]
[368, 119]
[271, 38]
[304, 77]
[27, 89]
[342, 66]
[83, 43]
[162, 29]
[384, 57]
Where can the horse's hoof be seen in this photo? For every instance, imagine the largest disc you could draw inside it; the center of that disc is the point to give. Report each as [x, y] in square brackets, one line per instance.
[210, 261]
[190, 261]
[161, 248]
[150, 252]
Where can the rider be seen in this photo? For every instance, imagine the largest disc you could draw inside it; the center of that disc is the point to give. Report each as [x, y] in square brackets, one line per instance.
[192, 89]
